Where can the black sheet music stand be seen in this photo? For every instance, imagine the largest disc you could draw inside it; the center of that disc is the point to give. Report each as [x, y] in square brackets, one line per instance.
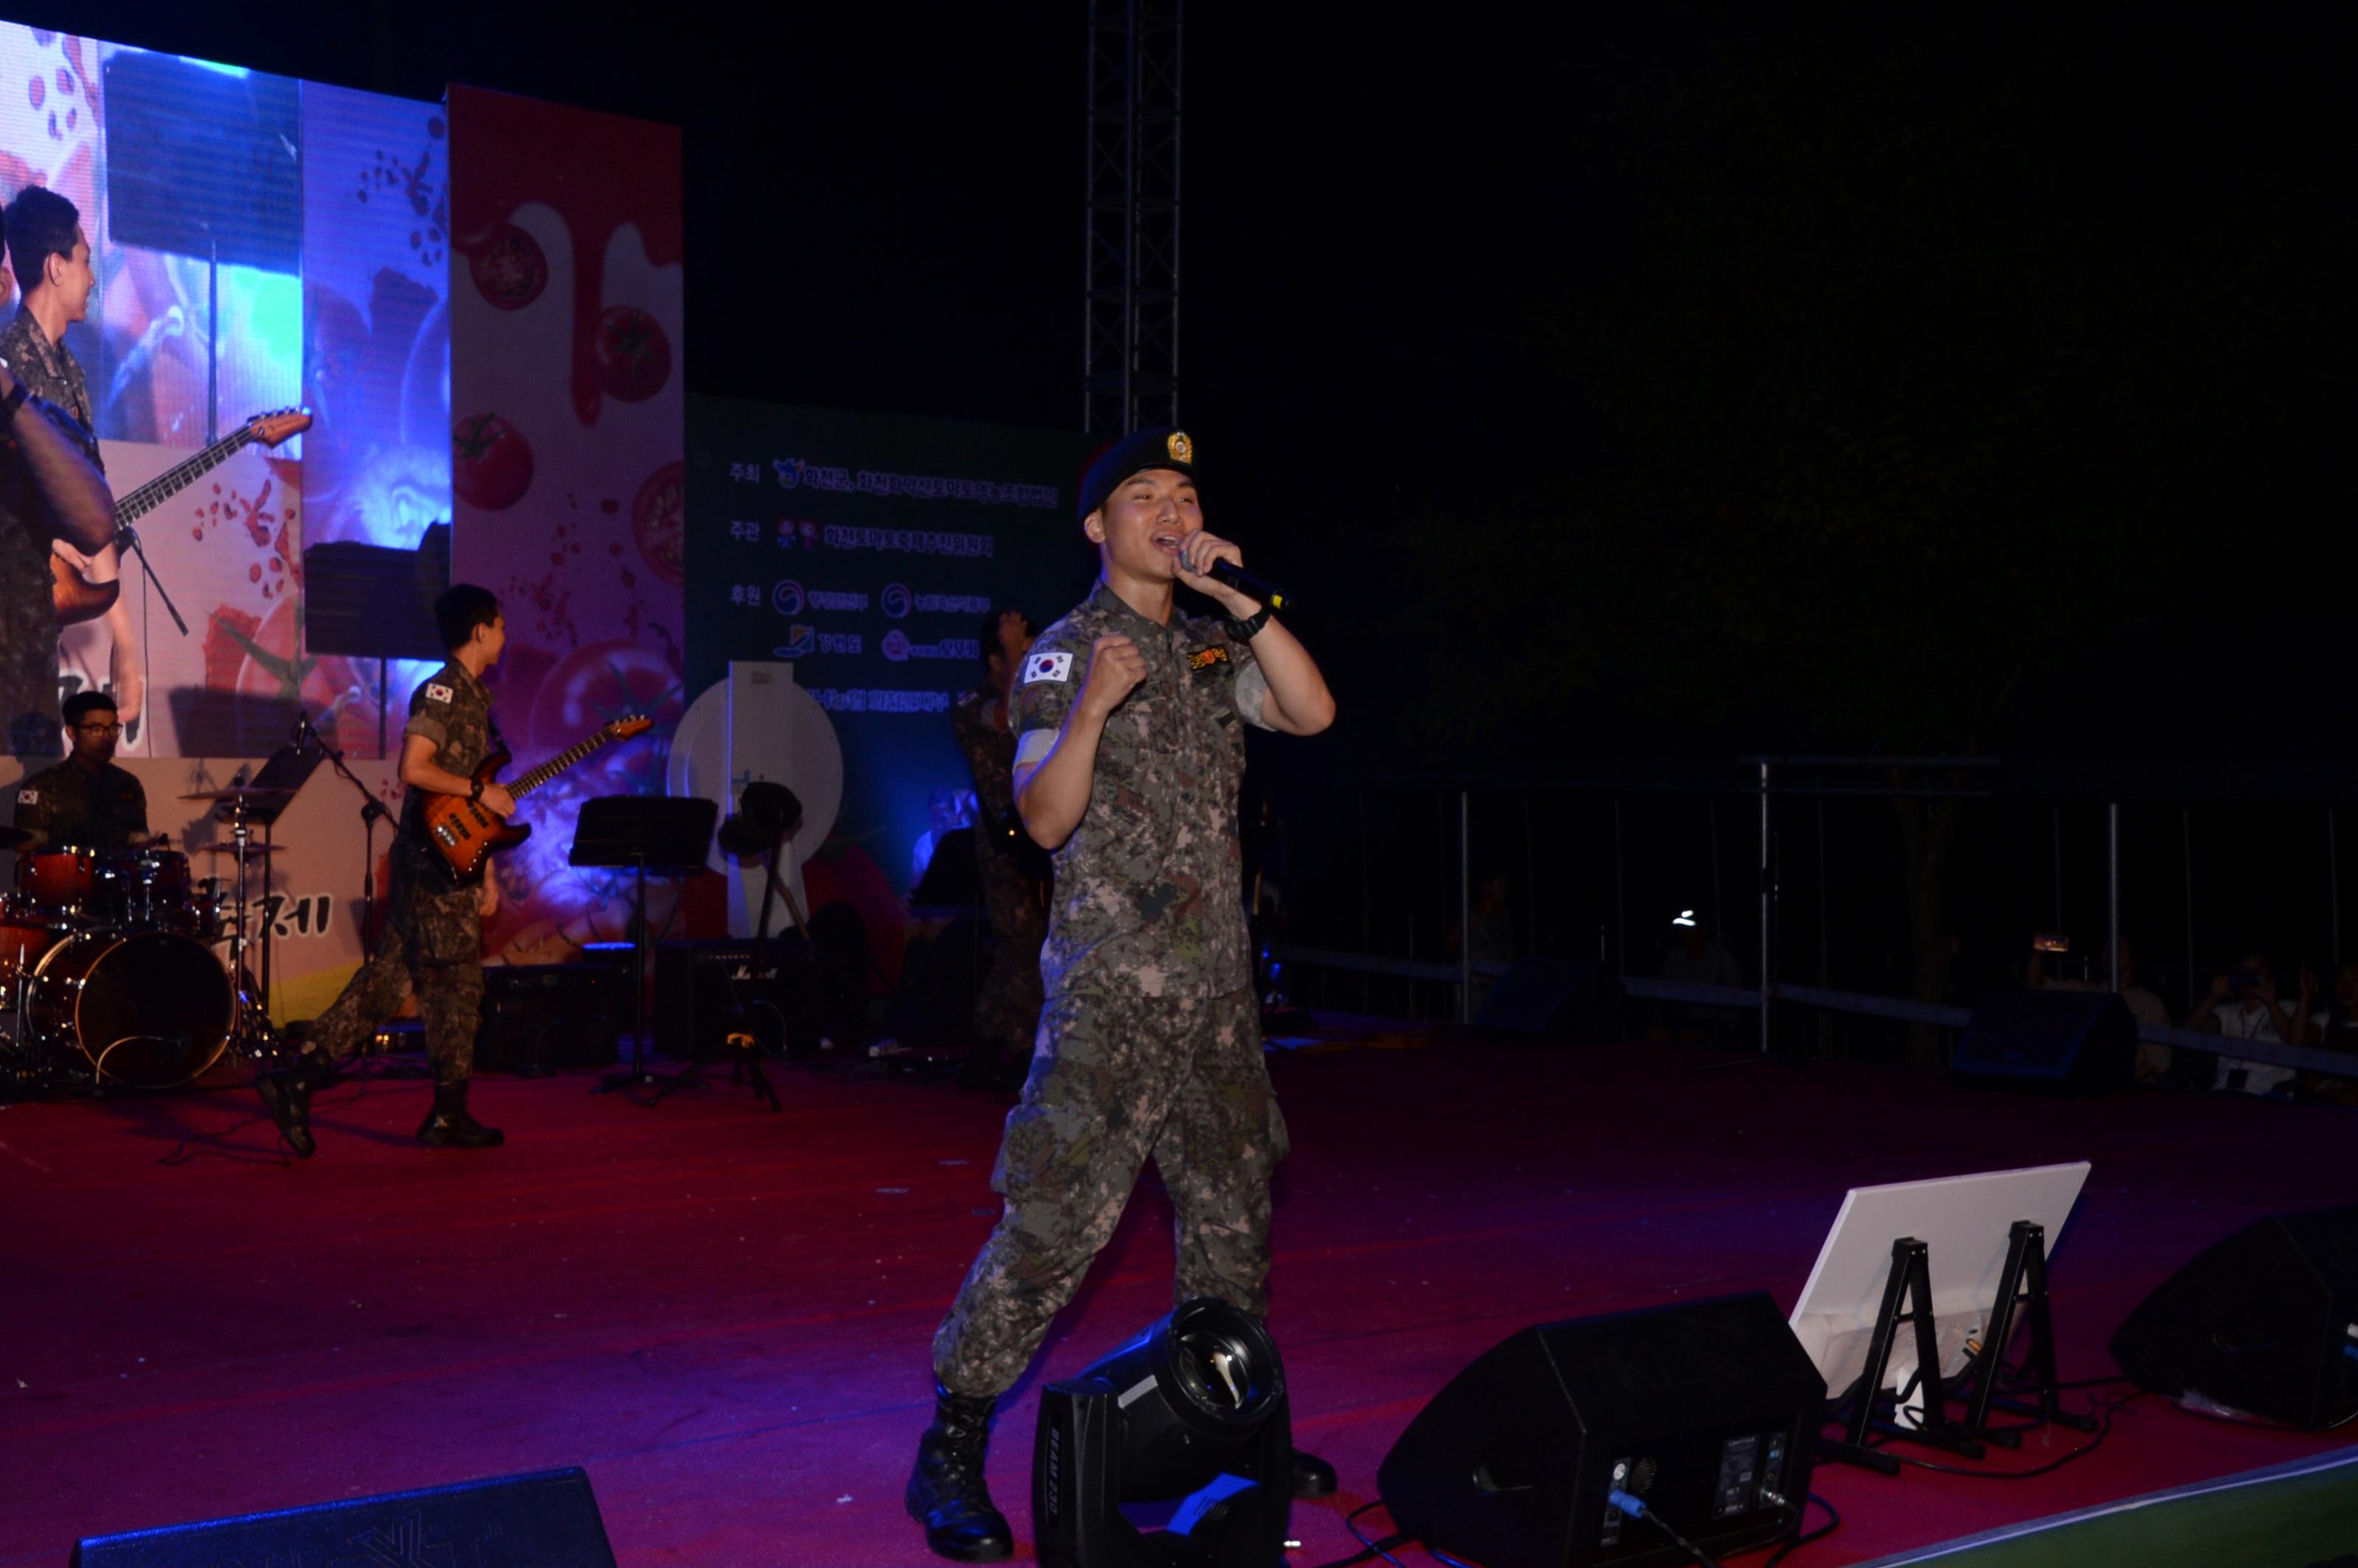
[658, 835]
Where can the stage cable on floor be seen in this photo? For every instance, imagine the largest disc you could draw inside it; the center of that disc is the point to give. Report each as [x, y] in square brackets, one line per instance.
[1834, 1522]
[1635, 1508]
[1370, 1549]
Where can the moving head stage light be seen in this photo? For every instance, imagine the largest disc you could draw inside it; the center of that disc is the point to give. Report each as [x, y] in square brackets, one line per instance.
[1192, 1410]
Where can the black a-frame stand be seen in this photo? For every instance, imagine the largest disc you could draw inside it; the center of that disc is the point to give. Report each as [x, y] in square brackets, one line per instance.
[2021, 1301]
[1907, 1299]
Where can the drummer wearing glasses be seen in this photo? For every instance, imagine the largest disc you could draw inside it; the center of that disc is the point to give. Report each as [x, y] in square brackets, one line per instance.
[85, 802]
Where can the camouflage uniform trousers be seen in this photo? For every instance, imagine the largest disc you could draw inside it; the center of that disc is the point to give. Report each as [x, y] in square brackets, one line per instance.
[1008, 1007]
[1114, 1080]
[433, 943]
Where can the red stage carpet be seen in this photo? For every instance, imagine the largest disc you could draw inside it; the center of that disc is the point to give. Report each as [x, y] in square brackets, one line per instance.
[724, 1315]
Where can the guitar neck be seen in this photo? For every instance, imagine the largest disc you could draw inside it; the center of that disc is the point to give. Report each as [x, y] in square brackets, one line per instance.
[180, 475]
[526, 783]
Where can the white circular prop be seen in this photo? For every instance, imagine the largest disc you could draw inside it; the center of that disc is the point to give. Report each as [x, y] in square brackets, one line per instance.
[778, 732]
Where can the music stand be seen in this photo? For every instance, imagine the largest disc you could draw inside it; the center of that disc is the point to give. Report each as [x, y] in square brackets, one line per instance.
[659, 834]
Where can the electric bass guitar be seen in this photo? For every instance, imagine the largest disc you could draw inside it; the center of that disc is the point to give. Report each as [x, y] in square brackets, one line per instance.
[74, 597]
[467, 831]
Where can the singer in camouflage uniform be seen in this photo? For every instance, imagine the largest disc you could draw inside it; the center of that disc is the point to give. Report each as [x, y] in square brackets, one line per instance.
[1129, 751]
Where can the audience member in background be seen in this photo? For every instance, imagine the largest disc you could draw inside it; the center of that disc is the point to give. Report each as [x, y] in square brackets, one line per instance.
[2149, 1010]
[1695, 958]
[1488, 936]
[2334, 1027]
[2243, 1005]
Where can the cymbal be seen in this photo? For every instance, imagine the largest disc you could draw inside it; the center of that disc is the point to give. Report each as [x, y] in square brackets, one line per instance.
[231, 848]
[237, 792]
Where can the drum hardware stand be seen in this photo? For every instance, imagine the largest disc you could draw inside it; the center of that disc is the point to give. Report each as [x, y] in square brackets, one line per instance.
[664, 834]
[372, 811]
[254, 1038]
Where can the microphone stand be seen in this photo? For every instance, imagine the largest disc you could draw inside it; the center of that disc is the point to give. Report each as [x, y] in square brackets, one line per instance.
[127, 537]
[372, 810]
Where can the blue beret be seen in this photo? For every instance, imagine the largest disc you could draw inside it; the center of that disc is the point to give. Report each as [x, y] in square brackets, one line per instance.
[1162, 448]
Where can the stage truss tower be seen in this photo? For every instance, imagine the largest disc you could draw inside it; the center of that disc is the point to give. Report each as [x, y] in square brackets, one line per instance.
[1130, 340]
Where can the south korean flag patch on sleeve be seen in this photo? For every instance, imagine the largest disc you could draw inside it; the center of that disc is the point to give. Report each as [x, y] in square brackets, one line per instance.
[1047, 666]
[437, 692]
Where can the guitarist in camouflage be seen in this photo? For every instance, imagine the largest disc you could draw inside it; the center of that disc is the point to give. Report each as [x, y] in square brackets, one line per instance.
[433, 939]
[51, 485]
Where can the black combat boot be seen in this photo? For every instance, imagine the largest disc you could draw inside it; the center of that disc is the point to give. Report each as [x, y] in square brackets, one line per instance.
[946, 1494]
[287, 1094]
[448, 1125]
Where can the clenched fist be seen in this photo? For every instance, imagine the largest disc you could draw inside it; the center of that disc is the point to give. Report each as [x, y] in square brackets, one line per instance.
[1116, 666]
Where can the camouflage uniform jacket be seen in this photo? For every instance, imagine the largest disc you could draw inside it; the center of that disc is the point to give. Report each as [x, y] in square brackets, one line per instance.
[68, 803]
[989, 751]
[1149, 899]
[453, 709]
[28, 630]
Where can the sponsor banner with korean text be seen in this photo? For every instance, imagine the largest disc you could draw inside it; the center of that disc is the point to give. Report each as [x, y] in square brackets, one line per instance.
[873, 551]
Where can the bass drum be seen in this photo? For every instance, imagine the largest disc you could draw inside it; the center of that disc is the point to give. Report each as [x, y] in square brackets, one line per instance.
[150, 1010]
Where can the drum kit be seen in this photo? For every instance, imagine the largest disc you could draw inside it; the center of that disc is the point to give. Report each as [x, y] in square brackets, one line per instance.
[115, 966]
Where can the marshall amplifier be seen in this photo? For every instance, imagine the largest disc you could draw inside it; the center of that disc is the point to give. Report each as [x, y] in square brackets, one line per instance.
[704, 990]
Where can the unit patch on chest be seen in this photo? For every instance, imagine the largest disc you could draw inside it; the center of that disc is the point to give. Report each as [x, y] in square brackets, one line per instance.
[1205, 658]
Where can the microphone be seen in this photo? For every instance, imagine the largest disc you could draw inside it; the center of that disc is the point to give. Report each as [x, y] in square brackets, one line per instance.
[303, 730]
[1233, 576]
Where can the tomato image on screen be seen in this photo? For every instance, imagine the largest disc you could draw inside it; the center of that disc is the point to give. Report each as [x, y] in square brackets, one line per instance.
[633, 354]
[601, 682]
[509, 269]
[658, 522]
[491, 462]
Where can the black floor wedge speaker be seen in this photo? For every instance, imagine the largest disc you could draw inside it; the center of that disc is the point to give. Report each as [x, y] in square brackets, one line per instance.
[544, 1519]
[2265, 1322]
[1708, 1412]
[2053, 1042]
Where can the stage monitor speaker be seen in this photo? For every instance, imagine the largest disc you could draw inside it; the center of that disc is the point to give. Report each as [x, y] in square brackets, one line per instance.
[546, 1519]
[2266, 1322]
[538, 1018]
[2057, 1041]
[1708, 1412]
[702, 987]
[1569, 1001]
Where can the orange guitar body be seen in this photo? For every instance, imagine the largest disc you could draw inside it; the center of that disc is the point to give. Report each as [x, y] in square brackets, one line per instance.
[466, 831]
[76, 599]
